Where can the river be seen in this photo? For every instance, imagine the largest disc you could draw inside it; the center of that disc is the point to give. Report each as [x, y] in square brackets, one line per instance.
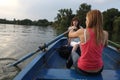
[19, 40]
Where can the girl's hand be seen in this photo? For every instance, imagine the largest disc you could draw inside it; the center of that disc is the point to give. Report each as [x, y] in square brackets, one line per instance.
[72, 28]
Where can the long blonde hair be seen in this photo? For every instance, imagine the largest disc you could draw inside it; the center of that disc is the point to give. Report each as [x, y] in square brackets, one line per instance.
[96, 21]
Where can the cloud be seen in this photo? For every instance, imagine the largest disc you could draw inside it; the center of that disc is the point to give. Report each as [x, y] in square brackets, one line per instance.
[48, 9]
[97, 1]
[8, 8]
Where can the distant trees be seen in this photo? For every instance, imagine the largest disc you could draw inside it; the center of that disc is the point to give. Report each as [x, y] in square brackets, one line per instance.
[2, 20]
[43, 22]
[40, 22]
[112, 23]
[63, 18]
[116, 30]
[26, 22]
[109, 17]
[81, 13]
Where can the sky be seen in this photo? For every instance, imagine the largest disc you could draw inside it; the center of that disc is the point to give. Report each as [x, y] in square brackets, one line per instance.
[48, 9]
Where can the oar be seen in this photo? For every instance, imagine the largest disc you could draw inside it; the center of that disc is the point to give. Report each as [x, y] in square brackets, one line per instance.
[39, 49]
[114, 44]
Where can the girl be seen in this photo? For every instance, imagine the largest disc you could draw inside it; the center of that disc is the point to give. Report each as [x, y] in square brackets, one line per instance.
[93, 39]
[74, 42]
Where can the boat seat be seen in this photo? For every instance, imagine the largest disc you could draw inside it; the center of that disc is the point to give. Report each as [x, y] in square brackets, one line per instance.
[72, 74]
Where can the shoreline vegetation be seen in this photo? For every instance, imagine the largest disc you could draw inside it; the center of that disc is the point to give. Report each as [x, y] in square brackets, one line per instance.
[111, 21]
[40, 22]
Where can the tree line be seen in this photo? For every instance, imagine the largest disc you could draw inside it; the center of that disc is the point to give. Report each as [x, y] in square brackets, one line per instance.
[40, 22]
[111, 19]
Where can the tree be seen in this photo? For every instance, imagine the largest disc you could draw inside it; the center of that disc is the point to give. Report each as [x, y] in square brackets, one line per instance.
[82, 11]
[108, 18]
[14, 21]
[63, 18]
[26, 22]
[116, 30]
[42, 22]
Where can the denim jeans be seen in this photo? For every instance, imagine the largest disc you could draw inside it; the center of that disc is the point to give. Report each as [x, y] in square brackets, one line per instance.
[74, 56]
[72, 60]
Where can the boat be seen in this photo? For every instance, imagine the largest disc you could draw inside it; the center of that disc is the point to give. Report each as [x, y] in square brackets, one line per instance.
[48, 64]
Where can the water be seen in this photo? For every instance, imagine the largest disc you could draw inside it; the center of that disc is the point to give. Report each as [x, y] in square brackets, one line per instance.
[17, 41]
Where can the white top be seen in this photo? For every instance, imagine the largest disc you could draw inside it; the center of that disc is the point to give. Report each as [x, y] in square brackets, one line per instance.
[75, 40]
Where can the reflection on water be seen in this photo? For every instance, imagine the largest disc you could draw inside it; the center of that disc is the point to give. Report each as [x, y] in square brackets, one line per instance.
[18, 40]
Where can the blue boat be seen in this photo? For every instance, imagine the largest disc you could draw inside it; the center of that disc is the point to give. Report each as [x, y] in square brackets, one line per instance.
[50, 65]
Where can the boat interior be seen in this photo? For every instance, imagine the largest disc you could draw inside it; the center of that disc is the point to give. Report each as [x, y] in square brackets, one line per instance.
[50, 65]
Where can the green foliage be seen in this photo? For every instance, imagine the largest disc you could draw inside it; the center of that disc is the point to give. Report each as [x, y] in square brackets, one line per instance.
[26, 22]
[108, 17]
[43, 22]
[63, 19]
[2, 20]
[40, 22]
[116, 30]
[81, 13]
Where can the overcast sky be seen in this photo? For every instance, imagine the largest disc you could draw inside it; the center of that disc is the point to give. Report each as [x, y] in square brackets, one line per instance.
[48, 9]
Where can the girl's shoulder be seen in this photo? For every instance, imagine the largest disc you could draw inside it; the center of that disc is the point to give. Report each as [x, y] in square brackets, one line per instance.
[105, 33]
[80, 31]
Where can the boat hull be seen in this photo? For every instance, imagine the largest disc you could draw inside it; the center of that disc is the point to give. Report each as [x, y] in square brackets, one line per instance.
[50, 65]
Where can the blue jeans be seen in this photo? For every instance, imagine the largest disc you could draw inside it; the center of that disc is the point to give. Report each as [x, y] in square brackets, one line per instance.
[74, 56]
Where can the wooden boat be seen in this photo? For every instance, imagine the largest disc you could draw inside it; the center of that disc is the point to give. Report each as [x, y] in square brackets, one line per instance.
[50, 65]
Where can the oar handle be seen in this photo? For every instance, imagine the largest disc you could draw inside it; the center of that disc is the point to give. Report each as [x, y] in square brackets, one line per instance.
[114, 44]
[40, 48]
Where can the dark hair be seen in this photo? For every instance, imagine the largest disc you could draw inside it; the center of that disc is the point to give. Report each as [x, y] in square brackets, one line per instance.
[75, 19]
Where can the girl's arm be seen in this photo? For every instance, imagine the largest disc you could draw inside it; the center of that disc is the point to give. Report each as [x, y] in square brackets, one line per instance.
[75, 34]
[106, 38]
